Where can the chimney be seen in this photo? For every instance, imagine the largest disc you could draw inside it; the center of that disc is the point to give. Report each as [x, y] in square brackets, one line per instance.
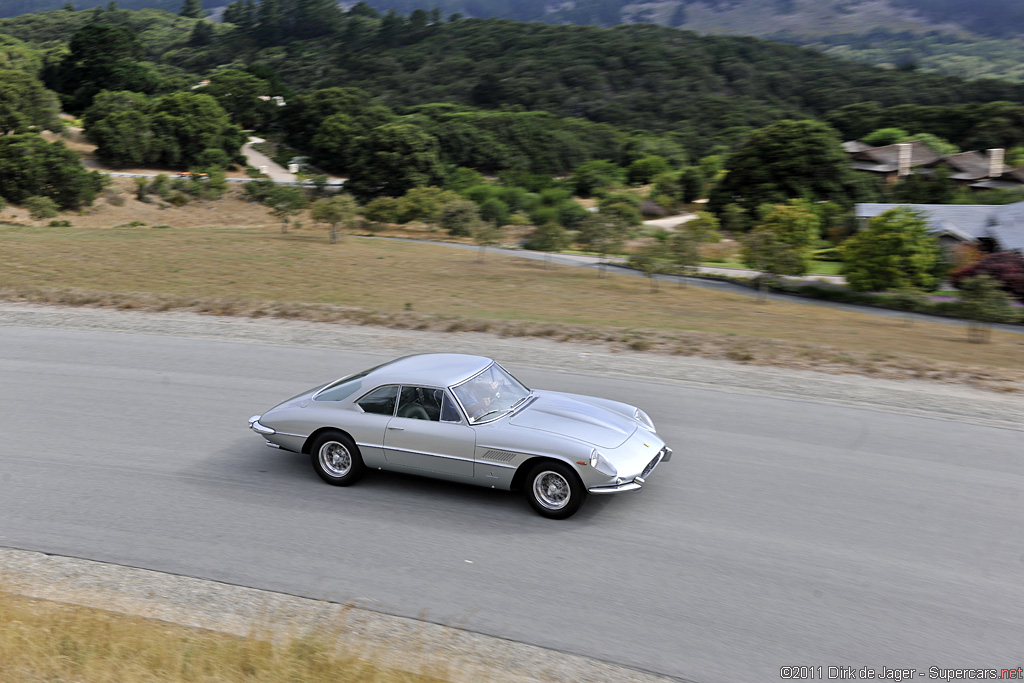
[995, 162]
[904, 152]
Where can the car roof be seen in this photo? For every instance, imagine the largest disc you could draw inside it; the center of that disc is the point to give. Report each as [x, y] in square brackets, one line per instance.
[428, 369]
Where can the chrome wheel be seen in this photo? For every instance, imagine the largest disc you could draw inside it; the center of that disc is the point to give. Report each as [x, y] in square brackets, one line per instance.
[551, 490]
[335, 459]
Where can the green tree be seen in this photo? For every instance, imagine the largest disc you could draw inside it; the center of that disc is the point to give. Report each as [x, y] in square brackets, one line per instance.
[239, 92]
[392, 159]
[595, 175]
[338, 210]
[734, 218]
[796, 226]
[41, 208]
[764, 251]
[495, 211]
[100, 58]
[459, 217]
[603, 233]
[645, 169]
[895, 250]
[653, 259]
[385, 210]
[141, 187]
[425, 204]
[285, 201]
[123, 138]
[786, 160]
[684, 252]
[885, 136]
[486, 234]
[548, 237]
[704, 228]
[326, 122]
[25, 104]
[193, 9]
[983, 302]
[31, 166]
[692, 183]
[185, 125]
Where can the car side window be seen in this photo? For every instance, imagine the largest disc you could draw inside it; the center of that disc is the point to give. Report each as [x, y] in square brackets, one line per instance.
[380, 401]
[449, 413]
[419, 403]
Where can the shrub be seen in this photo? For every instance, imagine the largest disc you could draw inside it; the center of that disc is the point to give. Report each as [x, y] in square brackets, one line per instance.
[41, 208]
[984, 302]
[383, 210]
[1005, 267]
[178, 199]
[113, 197]
[259, 190]
[160, 185]
[60, 224]
[495, 211]
[460, 217]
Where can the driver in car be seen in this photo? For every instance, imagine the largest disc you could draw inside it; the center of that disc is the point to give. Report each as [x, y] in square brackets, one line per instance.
[484, 391]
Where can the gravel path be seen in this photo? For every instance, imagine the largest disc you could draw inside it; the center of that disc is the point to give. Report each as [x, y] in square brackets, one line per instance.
[407, 643]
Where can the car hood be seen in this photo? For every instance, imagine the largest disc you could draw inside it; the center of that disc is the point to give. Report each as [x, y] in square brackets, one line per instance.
[574, 417]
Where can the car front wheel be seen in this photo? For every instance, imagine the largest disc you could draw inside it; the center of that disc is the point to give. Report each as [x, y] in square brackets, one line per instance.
[336, 459]
[554, 490]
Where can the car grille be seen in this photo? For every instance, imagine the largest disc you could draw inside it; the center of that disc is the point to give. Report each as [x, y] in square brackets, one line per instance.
[652, 463]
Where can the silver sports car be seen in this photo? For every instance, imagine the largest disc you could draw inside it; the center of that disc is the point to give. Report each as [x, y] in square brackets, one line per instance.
[465, 418]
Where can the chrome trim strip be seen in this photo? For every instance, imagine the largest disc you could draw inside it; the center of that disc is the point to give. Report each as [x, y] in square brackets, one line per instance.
[496, 464]
[298, 436]
[272, 445]
[367, 445]
[628, 486]
[433, 455]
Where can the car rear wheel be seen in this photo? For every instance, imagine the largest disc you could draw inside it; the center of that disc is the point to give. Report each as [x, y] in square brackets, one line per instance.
[336, 459]
[554, 490]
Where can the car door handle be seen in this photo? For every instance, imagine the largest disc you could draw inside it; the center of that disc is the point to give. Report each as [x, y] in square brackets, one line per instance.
[397, 429]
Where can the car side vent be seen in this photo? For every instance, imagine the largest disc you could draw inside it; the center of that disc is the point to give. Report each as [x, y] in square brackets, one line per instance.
[499, 456]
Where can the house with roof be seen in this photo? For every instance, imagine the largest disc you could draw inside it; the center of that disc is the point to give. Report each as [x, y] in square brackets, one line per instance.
[993, 228]
[977, 170]
[891, 162]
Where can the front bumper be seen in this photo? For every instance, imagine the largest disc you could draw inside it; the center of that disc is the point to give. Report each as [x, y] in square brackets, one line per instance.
[664, 455]
[254, 425]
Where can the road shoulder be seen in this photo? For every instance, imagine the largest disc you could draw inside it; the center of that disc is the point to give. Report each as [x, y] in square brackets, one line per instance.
[922, 398]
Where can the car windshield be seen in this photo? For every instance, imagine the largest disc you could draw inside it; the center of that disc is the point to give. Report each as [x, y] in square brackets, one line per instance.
[490, 394]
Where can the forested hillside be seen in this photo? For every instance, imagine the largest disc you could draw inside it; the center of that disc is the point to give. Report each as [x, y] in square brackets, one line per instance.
[955, 37]
[703, 90]
[12, 8]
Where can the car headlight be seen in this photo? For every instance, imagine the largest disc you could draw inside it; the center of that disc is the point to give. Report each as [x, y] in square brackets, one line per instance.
[601, 464]
[643, 419]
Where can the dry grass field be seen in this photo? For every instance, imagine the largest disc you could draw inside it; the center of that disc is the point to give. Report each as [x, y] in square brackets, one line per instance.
[229, 257]
[46, 641]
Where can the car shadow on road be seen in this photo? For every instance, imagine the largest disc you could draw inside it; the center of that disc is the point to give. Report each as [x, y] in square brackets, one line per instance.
[241, 471]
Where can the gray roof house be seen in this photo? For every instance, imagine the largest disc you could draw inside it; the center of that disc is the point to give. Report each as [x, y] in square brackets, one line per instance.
[995, 228]
[980, 171]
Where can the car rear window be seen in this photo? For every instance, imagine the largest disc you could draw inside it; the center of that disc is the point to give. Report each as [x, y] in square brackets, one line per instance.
[346, 386]
[339, 391]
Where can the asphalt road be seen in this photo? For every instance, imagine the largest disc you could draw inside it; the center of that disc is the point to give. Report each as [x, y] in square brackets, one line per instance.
[783, 533]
